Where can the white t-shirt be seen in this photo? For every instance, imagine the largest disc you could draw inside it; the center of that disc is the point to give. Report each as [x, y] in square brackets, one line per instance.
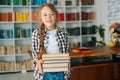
[52, 47]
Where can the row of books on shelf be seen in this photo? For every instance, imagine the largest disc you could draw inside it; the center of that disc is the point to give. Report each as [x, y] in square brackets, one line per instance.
[72, 2]
[22, 49]
[73, 31]
[22, 33]
[15, 2]
[55, 2]
[5, 16]
[72, 16]
[21, 16]
[89, 42]
[4, 34]
[88, 15]
[10, 66]
[21, 2]
[40, 2]
[6, 50]
[88, 2]
[7, 66]
[19, 33]
[5, 2]
[33, 2]
[25, 65]
[25, 17]
[88, 30]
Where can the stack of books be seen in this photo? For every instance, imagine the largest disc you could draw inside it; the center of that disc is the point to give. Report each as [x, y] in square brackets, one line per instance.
[56, 62]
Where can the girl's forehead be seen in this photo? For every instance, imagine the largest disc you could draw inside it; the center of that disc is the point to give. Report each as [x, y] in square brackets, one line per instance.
[46, 9]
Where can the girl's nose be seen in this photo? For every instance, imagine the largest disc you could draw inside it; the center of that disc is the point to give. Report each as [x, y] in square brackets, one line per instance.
[49, 16]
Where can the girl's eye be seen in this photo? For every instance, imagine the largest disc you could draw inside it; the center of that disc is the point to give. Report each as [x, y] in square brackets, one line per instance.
[45, 15]
[52, 14]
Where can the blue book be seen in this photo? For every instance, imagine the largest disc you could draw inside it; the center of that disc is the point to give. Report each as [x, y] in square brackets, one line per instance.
[1, 34]
[4, 34]
[11, 33]
[28, 34]
[55, 2]
[44, 1]
[33, 2]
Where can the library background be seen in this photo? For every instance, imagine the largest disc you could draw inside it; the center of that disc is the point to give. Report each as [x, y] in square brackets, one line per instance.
[18, 18]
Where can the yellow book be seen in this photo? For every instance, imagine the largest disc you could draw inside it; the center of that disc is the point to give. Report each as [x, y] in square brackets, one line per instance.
[24, 17]
[17, 16]
[0, 66]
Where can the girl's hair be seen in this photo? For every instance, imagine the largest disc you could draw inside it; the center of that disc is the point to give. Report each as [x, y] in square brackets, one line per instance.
[42, 28]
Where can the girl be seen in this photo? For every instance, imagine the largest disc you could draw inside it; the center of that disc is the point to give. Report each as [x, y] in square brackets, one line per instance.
[49, 38]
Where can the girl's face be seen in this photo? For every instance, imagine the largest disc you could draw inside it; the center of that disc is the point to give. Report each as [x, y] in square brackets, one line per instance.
[48, 17]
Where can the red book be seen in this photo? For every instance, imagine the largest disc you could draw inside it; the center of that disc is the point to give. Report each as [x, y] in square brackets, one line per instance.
[70, 16]
[0, 17]
[61, 17]
[77, 16]
[9, 16]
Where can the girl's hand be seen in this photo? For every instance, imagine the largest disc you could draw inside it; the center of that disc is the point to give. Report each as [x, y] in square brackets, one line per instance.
[39, 65]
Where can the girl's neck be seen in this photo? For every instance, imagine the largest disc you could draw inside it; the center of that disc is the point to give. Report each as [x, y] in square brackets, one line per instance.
[50, 28]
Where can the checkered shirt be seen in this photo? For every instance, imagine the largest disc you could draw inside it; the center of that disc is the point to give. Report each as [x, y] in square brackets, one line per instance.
[62, 38]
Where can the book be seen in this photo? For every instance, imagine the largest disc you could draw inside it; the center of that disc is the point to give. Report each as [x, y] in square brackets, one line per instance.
[55, 69]
[56, 58]
[53, 65]
[54, 55]
[57, 61]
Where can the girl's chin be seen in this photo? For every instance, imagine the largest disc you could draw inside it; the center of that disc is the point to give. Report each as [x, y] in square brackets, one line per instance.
[50, 25]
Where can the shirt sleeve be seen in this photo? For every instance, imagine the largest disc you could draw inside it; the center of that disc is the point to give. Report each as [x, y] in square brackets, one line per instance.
[67, 42]
[35, 44]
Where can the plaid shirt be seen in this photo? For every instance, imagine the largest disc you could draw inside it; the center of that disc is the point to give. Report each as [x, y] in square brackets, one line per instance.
[62, 38]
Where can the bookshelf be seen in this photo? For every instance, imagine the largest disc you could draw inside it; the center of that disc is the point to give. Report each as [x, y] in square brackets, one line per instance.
[18, 18]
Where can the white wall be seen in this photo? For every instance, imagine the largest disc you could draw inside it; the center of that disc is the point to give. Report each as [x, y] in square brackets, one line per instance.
[102, 17]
